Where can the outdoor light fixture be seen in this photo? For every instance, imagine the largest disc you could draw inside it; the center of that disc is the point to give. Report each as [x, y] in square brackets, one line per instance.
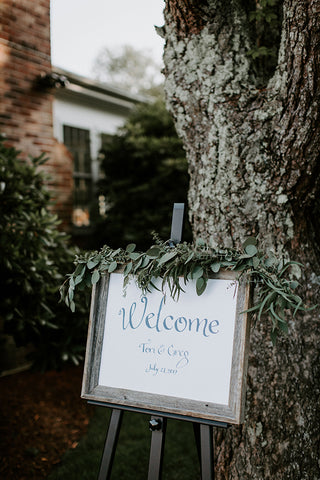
[51, 80]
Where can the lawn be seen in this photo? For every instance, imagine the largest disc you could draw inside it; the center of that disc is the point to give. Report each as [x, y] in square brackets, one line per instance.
[132, 454]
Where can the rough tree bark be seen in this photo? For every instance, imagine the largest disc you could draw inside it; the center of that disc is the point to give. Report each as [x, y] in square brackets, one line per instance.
[254, 169]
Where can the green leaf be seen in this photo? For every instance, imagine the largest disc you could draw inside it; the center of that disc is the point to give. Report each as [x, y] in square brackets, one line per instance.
[251, 250]
[273, 336]
[145, 262]
[215, 267]
[189, 258]
[153, 252]
[131, 247]
[112, 267]
[166, 257]
[197, 272]
[93, 263]
[294, 284]
[95, 277]
[283, 327]
[249, 241]
[201, 285]
[255, 262]
[200, 242]
[128, 268]
[269, 262]
[80, 268]
[134, 255]
[78, 278]
[287, 265]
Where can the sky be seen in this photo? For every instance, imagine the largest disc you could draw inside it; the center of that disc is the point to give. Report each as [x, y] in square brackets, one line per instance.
[81, 28]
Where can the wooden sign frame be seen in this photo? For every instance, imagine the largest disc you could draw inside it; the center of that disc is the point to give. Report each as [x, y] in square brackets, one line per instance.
[160, 403]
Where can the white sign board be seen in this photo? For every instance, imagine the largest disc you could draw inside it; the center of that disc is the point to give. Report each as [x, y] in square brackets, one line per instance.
[184, 357]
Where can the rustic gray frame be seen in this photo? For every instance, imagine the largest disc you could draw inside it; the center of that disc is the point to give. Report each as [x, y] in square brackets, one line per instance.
[162, 404]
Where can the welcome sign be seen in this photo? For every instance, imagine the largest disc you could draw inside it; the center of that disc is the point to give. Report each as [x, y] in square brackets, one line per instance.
[185, 356]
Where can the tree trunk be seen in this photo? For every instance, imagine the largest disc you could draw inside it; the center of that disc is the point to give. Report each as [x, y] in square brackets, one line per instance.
[254, 170]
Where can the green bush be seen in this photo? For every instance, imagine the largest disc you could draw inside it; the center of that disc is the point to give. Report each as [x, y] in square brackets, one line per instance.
[33, 256]
[145, 173]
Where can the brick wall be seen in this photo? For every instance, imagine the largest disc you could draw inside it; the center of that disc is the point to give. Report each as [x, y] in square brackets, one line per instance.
[26, 109]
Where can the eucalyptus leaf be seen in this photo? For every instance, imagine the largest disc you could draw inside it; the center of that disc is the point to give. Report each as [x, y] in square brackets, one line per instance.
[78, 279]
[255, 262]
[294, 284]
[167, 256]
[153, 252]
[201, 285]
[93, 263]
[215, 267]
[249, 241]
[200, 242]
[196, 272]
[190, 257]
[134, 255]
[145, 262]
[251, 250]
[269, 262]
[128, 268]
[95, 277]
[79, 269]
[274, 290]
[112, 267]
[284, 327]
[274, 336]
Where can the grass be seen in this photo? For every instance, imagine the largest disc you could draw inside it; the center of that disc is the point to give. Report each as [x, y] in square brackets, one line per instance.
[132, 453]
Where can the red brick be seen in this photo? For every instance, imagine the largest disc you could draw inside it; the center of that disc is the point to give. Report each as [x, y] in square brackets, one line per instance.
[25, 112]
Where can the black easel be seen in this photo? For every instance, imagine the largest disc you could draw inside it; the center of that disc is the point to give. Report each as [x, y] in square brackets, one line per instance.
[203, 431]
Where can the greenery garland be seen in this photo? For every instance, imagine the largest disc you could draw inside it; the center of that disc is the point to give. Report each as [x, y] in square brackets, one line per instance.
[275, 292]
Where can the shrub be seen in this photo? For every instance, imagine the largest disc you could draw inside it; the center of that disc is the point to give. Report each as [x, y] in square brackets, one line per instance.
[145, 173]
[33, 253]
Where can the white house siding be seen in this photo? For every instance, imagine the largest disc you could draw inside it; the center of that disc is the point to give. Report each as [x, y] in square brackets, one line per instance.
[96, 120]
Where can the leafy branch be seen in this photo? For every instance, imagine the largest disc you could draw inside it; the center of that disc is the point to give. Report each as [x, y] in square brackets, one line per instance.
[173, 263]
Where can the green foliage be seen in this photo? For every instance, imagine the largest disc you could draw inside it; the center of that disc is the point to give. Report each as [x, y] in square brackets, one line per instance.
[185, 262]
[33, 253]
[265, 20]
[145, 174]
[131, 69]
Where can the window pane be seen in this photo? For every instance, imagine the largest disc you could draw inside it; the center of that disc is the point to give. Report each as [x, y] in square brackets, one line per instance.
[77, 141]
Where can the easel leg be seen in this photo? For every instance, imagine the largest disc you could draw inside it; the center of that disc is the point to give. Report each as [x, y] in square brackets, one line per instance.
[196, 431]
[158, 427]
[206, 442]
[110, 444]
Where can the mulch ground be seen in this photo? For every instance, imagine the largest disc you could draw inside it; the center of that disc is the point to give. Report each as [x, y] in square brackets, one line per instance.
[41, 416]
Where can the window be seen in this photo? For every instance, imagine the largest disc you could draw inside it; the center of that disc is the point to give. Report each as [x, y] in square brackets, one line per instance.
[77, 140]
